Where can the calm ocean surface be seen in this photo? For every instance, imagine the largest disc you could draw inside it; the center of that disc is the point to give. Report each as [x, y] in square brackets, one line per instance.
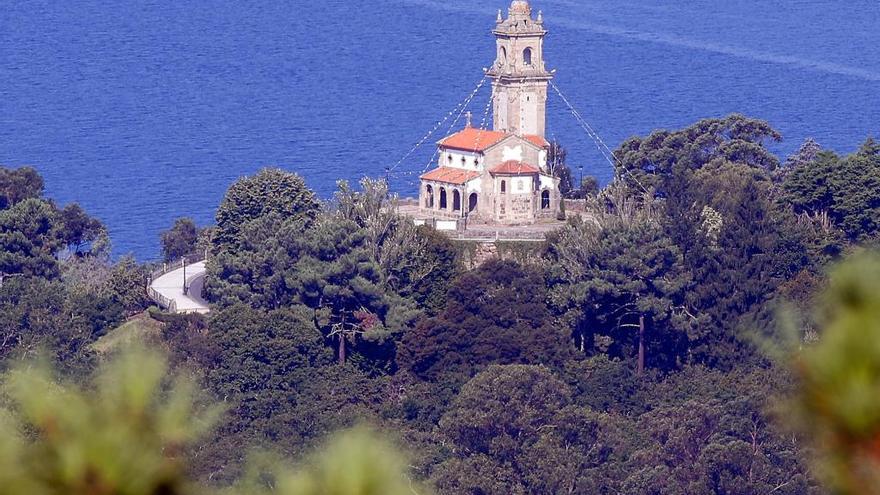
[147, 110]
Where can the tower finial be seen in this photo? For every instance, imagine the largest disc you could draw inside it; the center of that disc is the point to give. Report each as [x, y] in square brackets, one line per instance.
[469, 117]
[540, 17]
[520, 8]
[500, 17]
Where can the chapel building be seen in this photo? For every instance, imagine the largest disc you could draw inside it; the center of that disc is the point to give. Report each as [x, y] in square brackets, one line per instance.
[501, 175]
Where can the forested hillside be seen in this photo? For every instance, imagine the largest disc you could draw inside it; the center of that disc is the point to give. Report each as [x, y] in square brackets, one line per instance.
[651, 346]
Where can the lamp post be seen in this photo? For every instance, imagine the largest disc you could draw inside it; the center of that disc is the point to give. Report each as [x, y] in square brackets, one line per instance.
[185, 288]
[581, 180]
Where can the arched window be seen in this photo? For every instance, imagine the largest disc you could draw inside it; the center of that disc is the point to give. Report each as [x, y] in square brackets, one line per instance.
[429, 196]
[442, 198]
[545, 200]
[449, 156]
[463, 162]
[503, 187]
[472, 202]
[502, 55]
[456, 201]
[527, 56]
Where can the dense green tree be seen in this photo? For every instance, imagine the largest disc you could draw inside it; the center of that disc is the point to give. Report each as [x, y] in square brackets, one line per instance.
[661, 161]
[328, 268]
[34, 232]
[275, 370]
[79, 230]
[506, 441]
[263, 357]
[39, 316]
[707, 431]
[30, 237]
[180, 240]
[336, 275]
[125, 285]
[416, 263]
[424, 265]
[17, 185]
[619, 299]
[362, 269]
[496, 314]
[271, 191]
[846, 189]
[739, 248]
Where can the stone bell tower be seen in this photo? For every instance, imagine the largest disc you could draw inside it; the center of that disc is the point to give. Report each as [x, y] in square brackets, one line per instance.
[519, 77]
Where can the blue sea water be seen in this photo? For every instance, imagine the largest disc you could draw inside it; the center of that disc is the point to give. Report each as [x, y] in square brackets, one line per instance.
[147, 110]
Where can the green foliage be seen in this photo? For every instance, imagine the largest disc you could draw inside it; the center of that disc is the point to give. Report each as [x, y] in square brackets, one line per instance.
[838, 400]
[805, 155]
[273, 353]
[128, 433]
[17, 185]
[362, 269]
[123, 436]
[33, 231]
[180, 240]
[358, 462]
[496, 314]
[656, 161]
[275, 370]
[847, 189]
[523, 253]
[336, 276]
[739, 263]
[603, 288]
[80, 230]
[63, 317]
[506, 441]
[30, 236]
[125, 285]
[271, 191]
[415, 262]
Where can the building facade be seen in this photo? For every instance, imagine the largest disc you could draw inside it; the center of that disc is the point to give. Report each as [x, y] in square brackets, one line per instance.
[501, 175]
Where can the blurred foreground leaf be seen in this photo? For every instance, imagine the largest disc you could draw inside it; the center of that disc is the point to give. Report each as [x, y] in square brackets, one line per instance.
[838, 402]
[124, 434]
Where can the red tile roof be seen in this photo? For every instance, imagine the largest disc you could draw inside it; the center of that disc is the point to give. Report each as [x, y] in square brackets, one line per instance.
[537, 140]
[450, 175]
[471, 139]
[513, 167]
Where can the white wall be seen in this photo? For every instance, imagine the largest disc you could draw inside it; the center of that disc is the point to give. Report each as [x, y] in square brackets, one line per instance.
[522, 185]
[528, 111]
[472, 161]
[447, 224]
[474, 186]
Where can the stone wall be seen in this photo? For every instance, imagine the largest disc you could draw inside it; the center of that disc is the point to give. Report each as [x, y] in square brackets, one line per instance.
[475, 253]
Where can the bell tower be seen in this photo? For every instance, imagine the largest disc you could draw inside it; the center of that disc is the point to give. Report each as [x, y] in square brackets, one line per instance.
[519, 77]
